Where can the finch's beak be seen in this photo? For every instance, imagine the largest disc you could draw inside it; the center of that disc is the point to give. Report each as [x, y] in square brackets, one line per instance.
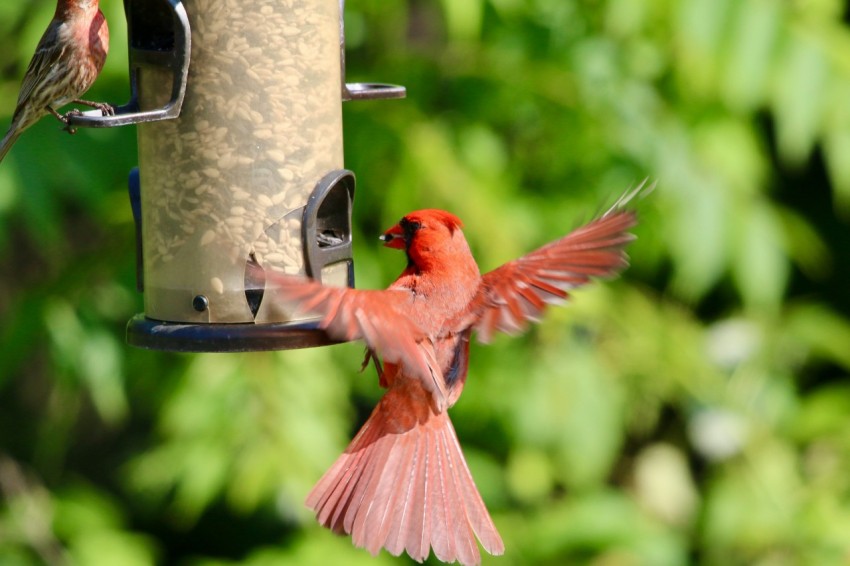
[393, 238]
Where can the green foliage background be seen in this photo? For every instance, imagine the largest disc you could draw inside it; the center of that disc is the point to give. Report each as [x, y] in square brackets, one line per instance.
[693, 412]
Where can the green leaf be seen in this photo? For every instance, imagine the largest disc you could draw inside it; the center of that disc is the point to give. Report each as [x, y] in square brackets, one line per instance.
[751, 505]
[801, 76]
[836, 142]
[701, 26]
[572, 408]
[699, 238]
[823, 332]
[756, 28]
[464, 19]
[108, 548]
[760, 265]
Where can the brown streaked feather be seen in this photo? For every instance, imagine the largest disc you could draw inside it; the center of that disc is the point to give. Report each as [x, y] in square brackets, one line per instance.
[47, 52]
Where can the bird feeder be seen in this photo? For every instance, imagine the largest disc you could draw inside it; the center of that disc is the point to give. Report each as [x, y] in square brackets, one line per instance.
[239, 113]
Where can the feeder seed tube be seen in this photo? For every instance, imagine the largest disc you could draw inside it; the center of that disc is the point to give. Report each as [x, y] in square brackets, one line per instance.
[261, 124]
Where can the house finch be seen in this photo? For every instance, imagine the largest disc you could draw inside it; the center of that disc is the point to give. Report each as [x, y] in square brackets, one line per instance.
[402, 483]
[66, 62]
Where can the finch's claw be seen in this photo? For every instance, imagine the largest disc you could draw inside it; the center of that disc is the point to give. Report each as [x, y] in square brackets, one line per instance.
[68, 127]
[105, 109]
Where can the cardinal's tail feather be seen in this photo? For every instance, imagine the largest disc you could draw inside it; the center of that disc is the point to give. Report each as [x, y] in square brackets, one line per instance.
[403, 484]
[332, 496]
[476, 511]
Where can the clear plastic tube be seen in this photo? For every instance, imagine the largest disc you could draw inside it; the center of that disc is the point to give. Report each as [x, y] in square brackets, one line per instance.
[261, 124]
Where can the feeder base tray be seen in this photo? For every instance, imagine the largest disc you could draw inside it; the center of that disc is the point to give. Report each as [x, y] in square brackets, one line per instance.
[143, 332]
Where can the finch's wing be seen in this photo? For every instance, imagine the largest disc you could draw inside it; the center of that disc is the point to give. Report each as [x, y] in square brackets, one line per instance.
[376, 317]
[47, 52]
[519, 291]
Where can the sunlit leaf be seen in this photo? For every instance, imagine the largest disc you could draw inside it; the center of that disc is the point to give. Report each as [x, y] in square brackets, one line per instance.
[751, 46]
[464, 18]
[573, 408]
[836, 142]
[761, 266]
[821, 331]
[801, 79]
[750, 506]
[699, 239]
[701, 25]
[107, 548]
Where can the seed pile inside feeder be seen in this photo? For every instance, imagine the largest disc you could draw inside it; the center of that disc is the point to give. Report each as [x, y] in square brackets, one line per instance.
[260, 126]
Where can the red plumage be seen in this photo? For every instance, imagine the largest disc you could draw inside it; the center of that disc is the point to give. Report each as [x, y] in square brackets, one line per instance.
[66, 62]
[403, 484]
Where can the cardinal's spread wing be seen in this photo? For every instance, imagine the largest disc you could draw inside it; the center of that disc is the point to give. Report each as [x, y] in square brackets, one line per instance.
[519, 291]
[376, 317]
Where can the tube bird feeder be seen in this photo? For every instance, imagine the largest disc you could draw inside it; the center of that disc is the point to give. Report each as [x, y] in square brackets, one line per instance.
[239, 111]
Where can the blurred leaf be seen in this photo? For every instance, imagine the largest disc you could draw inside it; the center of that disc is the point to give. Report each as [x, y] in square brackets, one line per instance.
[463, 19]
[836, 142]
[698, 239]
[108, 548]
[753, 40]
[730, 146]
[805, 246]
[270, 443]
[824, 414]
[601, 524]
[664, 486]
[823, 332]
[751, 505]
[761, 268]
[83, 509]
[92, 355]
[530, 475]
[801, 77]
[571, 407]
[317, 547]
[701, 25]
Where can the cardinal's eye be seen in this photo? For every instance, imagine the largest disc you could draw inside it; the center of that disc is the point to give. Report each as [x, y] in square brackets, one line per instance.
[410, 227]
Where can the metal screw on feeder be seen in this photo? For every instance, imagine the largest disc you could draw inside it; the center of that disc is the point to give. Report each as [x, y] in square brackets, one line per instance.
[239, 113]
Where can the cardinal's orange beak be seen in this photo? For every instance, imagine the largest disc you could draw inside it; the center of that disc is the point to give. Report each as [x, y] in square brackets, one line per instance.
[393, 238]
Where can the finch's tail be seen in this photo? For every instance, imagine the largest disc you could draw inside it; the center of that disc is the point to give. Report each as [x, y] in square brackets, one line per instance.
[9, 139]
[403, 484]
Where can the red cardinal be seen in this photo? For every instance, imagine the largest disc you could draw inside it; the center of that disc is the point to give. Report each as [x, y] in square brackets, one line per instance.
[66, 62]
[402, 483]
